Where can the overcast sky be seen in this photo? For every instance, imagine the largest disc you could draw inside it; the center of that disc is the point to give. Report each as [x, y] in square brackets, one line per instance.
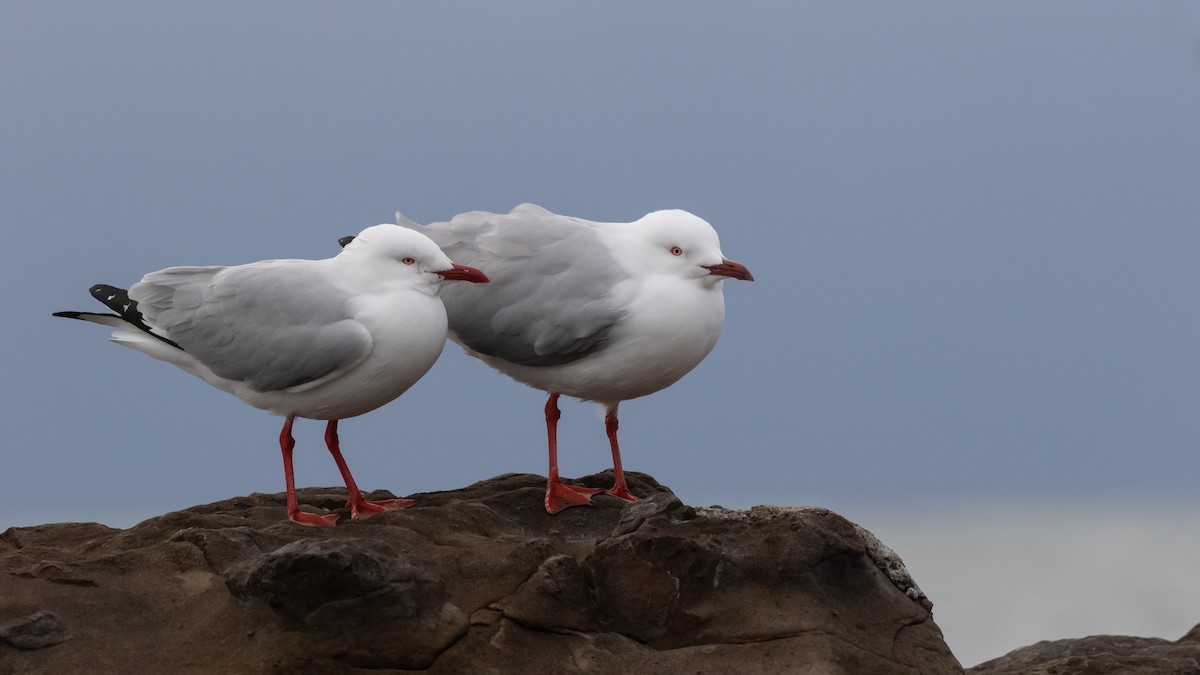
[974, 229]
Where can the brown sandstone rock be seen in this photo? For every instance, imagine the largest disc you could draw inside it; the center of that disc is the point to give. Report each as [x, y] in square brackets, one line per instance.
[1101, 655]
[474, 580]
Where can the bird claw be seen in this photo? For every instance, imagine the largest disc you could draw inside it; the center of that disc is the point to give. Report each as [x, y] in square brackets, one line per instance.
[561, 496]
[622, 492]
[313, 519]
[364, 509]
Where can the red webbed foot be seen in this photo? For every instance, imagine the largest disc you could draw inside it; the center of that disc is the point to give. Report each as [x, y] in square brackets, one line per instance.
[560, 496]
[312, 519]
[620, 491]
[365, 509]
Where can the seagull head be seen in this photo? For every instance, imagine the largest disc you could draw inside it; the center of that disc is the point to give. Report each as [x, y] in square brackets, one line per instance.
[400, 253]
[684, 244]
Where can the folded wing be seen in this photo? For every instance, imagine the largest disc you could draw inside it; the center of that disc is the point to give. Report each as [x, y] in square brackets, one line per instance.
[549, 300]
[273, 325]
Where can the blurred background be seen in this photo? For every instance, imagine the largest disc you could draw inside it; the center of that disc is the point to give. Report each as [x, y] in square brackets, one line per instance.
[973, 226]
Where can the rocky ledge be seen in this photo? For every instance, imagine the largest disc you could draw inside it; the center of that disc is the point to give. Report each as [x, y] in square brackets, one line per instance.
[1101, 654]
[475, 580]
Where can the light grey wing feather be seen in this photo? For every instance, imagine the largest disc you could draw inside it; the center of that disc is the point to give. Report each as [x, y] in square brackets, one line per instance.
[272, 325]
[548, 300]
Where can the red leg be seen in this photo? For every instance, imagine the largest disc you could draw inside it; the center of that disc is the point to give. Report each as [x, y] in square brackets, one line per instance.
[359, 507]
[619, 489]
[558, 494]
[294, 514]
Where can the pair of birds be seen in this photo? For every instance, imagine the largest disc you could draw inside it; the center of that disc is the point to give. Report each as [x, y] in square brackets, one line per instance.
[604, 312]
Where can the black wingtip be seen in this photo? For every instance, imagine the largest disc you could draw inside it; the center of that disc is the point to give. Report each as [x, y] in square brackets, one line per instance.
[68, 315]
[346, 240]
[118, 300]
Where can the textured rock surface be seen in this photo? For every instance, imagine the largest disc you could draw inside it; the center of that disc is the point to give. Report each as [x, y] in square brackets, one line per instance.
[474, 580]
[38, 630]
[1101, 654]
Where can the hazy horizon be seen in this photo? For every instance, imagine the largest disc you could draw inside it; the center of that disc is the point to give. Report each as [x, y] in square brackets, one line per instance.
[972, 228]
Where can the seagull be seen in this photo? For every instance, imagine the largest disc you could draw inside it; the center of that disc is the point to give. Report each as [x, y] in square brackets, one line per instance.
[320, 339]
[603, 312]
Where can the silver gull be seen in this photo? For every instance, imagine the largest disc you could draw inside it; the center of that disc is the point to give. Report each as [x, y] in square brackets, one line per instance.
[603, 312]
[320, 339]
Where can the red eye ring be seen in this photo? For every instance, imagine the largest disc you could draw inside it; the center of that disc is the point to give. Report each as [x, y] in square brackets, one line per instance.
[409, 261]
[675, 250]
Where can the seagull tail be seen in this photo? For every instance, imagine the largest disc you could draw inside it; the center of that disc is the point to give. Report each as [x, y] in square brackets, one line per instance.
[152, 345]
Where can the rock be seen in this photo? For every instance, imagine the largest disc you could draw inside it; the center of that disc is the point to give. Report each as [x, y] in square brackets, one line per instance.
[1101, 654]
[36, 631]
[374, 604]
[478, 580]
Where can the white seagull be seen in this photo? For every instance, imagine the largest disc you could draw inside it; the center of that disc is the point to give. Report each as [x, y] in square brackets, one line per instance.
[603, 312]
[320, 339]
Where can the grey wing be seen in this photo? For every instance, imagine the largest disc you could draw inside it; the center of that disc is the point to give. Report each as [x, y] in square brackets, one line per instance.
[548, 301]
[272, 325]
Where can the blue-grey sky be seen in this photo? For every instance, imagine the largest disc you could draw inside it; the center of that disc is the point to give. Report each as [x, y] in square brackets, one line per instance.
[974, 228]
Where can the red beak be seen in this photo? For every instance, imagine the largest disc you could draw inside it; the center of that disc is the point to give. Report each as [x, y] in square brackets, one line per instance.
[729, 268]
[463, 273]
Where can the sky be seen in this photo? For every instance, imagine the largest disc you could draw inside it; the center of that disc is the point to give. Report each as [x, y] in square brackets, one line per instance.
[973, 228]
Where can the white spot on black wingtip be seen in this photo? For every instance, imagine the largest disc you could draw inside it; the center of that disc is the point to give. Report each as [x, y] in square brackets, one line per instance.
[118, 300]
[346, 240]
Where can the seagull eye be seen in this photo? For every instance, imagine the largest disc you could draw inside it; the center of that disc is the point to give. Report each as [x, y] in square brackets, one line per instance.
[675, 250]
[409, 261]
